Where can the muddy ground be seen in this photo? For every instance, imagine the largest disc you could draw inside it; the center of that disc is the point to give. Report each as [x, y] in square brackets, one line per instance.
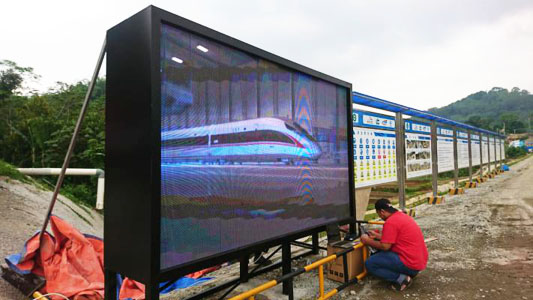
[484, 249]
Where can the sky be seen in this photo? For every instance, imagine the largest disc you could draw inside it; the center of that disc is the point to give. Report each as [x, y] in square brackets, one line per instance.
[417, 53]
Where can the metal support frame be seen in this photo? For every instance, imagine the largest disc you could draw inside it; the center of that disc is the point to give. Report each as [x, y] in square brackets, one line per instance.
[75, 134]
[243, 268]
[469, 157]
[400, 159]
[434, 159]
[286, 268]
[455, 160]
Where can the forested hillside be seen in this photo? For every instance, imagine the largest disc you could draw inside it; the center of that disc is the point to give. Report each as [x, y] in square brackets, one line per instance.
[492, 109]
[35, 129]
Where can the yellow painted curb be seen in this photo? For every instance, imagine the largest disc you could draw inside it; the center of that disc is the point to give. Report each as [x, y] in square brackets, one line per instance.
[457, 191]
[435, 200]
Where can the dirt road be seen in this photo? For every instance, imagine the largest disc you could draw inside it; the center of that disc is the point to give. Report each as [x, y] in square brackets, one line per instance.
[484, 248]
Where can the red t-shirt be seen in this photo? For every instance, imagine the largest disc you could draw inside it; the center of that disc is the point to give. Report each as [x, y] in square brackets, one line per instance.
[407, 240]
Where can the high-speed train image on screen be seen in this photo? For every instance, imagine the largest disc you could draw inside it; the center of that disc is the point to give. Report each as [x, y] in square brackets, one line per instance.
[255, 140]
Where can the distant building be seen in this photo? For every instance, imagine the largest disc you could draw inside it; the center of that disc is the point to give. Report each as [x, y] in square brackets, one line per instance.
[517, 143]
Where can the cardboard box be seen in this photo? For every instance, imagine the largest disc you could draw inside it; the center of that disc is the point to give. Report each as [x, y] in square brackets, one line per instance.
[335, 269]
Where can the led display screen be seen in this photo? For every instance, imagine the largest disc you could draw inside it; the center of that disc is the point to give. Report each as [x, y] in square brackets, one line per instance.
[250, 150]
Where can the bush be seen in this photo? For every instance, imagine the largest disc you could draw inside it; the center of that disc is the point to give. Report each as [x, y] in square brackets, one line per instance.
[515, 152]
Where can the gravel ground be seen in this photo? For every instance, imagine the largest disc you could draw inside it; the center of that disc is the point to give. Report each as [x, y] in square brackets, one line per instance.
[22, 212]
[484, 249]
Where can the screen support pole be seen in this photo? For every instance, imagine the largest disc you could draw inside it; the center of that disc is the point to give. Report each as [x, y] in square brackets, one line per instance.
[469, 157]
[243, 264]
[400, 159]
[455, 160]
[73, 139]
[316, 242]
[286, 268]
[434, 159]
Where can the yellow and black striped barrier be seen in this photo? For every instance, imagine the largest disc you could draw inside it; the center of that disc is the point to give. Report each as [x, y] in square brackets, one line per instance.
[456, 191]
[471, 185]
[410, 212]
[435, 199]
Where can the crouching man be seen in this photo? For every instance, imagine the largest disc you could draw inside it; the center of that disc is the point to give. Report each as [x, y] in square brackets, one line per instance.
[403, 252]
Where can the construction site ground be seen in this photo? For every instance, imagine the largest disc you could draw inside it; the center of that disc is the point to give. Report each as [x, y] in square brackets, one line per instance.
[484, 248]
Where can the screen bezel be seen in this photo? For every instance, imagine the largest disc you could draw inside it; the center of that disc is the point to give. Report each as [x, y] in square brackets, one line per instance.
[160, 17]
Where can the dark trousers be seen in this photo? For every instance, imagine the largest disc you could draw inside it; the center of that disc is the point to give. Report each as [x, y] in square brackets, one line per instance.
[387, 265]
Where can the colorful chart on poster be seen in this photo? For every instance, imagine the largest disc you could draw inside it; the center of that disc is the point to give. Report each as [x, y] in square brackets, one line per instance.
[374, 156]
[374, 149]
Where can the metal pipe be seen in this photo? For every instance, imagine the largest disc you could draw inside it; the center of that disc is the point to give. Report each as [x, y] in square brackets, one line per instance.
[73, 172]
[321, 280]
[73, 139]
[256, 290]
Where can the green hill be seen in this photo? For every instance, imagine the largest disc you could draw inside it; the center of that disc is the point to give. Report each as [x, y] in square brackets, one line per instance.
[492, 109]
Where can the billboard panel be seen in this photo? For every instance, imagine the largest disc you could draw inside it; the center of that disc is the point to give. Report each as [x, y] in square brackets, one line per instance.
[444, 149]
[462, 149]
[374, 149]
[492, 150]
[485, 156]
[246, 145]
[502, 146]
[476, 156]
[417, 149]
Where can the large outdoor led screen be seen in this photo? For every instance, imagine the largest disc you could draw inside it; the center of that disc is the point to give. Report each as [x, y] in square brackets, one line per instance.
[250, 150]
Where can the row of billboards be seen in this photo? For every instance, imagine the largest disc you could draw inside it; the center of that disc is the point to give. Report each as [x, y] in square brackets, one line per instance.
[375, 149]
[216, 149]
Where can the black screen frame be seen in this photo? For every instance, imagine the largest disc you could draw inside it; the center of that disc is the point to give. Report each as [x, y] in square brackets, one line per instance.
[151, 19]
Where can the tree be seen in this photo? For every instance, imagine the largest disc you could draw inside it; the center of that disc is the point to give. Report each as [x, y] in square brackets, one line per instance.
[12, 77]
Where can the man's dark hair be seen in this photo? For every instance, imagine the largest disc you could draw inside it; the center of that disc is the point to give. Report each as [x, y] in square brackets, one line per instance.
[384, 204]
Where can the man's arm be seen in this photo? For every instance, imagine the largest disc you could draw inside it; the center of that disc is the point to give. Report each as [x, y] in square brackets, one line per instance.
[375, 244]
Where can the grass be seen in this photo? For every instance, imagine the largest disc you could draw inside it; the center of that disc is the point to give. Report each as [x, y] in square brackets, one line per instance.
[11, 172]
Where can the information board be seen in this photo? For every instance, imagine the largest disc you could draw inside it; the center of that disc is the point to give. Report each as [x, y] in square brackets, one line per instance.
[374, 156]
[417, 149]
[444, 149]
[502, 148]
[374, 149]
[492, 150]
[476, 156]
[485, 148]
[462, 149]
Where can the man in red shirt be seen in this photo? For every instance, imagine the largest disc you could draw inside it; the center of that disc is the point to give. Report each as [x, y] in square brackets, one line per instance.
[403, 250]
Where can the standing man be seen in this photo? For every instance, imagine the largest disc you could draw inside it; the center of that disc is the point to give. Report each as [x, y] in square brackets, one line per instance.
[403, 250]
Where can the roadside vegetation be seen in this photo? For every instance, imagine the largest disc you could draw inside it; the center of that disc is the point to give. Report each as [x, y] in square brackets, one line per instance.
[35, 129]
